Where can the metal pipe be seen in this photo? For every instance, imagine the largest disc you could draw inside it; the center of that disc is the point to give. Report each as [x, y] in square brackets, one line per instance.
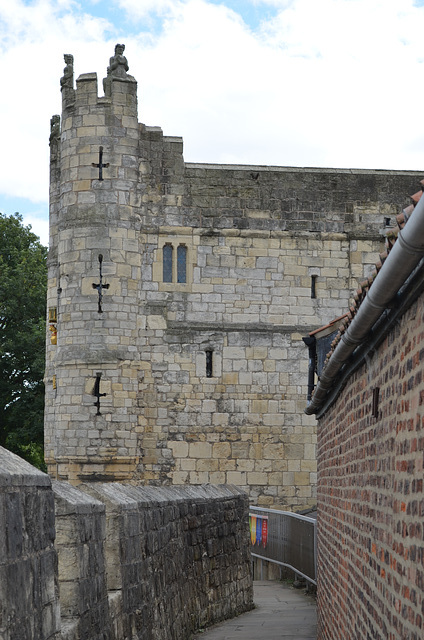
[402, 259]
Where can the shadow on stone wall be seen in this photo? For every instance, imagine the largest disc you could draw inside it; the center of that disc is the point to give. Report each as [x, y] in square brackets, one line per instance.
[118, 561]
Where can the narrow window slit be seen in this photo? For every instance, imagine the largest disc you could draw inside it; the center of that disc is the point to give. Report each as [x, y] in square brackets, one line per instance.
[167, 262]
[209, 364]
[100, 286]
[375, 401]
[100, 165]
[182, 263]
[314, 286]
[97, 394]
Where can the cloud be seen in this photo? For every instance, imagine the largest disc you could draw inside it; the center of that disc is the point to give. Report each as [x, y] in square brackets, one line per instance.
[39, 226]
[328, 83]
[35, 36]
[138, 9]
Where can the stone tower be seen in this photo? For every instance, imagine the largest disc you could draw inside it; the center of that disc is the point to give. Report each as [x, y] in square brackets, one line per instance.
[179, 295]
[94, 275]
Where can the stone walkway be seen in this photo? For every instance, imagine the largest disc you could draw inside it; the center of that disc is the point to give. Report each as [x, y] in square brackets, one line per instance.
[281, 612]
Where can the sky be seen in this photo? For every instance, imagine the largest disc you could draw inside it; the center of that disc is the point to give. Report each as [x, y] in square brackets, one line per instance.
[304, 83]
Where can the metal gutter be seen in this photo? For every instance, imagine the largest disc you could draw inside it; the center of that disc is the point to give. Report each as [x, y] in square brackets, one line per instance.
[401, 261]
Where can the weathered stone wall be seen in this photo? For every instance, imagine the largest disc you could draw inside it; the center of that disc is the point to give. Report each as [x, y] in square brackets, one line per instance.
[258, 241]
[179, 557]
[29, 598]
[136, 563]
[371, 497]
[80, 538]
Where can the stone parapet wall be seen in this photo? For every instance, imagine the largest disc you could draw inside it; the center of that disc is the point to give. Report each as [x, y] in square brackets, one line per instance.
[129, 562]
[80, 537]
[179, 556]
[371, 496]
[316, 200]
[29, 594]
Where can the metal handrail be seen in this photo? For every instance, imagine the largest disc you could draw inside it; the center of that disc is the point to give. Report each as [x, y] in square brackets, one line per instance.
[287, 539]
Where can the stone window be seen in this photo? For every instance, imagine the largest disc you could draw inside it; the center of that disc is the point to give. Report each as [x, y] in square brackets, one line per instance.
[173, 259]
[209, 364]
[174, 272]
[182, 263]
[168, 251]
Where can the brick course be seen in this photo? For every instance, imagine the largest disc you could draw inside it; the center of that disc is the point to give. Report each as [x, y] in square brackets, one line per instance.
[370, 496]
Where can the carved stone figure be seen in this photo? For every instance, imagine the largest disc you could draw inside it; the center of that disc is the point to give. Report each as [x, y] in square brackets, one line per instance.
[67, 80]
[54, 128]
[118, 64]
[107, 83]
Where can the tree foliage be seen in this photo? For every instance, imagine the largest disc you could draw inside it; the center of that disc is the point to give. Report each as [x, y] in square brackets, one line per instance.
[23, 283]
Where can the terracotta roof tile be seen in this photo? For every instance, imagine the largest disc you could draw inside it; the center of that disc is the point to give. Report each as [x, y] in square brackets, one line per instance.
[416, 197]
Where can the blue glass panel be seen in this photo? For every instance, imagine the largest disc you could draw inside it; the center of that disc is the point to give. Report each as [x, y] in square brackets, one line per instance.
[167, 263]
[182, 263]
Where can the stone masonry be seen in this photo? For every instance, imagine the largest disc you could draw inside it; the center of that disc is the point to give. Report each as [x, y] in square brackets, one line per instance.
[180, 294]
[29, 589]
[126, 562]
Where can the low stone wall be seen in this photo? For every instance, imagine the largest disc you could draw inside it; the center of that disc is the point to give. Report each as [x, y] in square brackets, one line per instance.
[179, 555]
[29, 598]
[80, 537]
[129, 562]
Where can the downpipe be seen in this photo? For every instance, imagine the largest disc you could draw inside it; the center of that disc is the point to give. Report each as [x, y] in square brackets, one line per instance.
[402, 259]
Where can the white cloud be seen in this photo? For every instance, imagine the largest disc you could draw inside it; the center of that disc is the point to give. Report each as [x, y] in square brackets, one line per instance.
[31, 63]
[39, 226]
[139, 9]
[328, 83]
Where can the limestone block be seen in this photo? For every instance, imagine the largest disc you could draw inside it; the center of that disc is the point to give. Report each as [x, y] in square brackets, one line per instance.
[301, 478]
[254, 477]
[179, 448]
[200, 450]
[188, 464]
[236, 477]
[199, 477]
[221, 450]
[218, 477]
[156, 322]
[208, 464]
[273, 451]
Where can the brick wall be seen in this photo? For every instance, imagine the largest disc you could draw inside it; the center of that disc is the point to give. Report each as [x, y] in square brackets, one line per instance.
[370, 496]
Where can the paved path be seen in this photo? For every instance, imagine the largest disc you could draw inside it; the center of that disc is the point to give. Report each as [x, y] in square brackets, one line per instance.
[281, 612]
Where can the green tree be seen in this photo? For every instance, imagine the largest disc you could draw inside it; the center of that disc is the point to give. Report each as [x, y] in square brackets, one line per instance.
[23, 283]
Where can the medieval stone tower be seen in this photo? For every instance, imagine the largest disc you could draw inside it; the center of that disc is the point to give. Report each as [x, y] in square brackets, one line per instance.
[179, 294]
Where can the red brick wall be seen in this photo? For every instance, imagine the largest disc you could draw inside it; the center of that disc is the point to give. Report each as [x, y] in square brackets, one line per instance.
[371, 499]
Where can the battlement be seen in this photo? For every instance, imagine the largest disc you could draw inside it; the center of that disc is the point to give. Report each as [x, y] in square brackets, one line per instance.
[120, 88]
